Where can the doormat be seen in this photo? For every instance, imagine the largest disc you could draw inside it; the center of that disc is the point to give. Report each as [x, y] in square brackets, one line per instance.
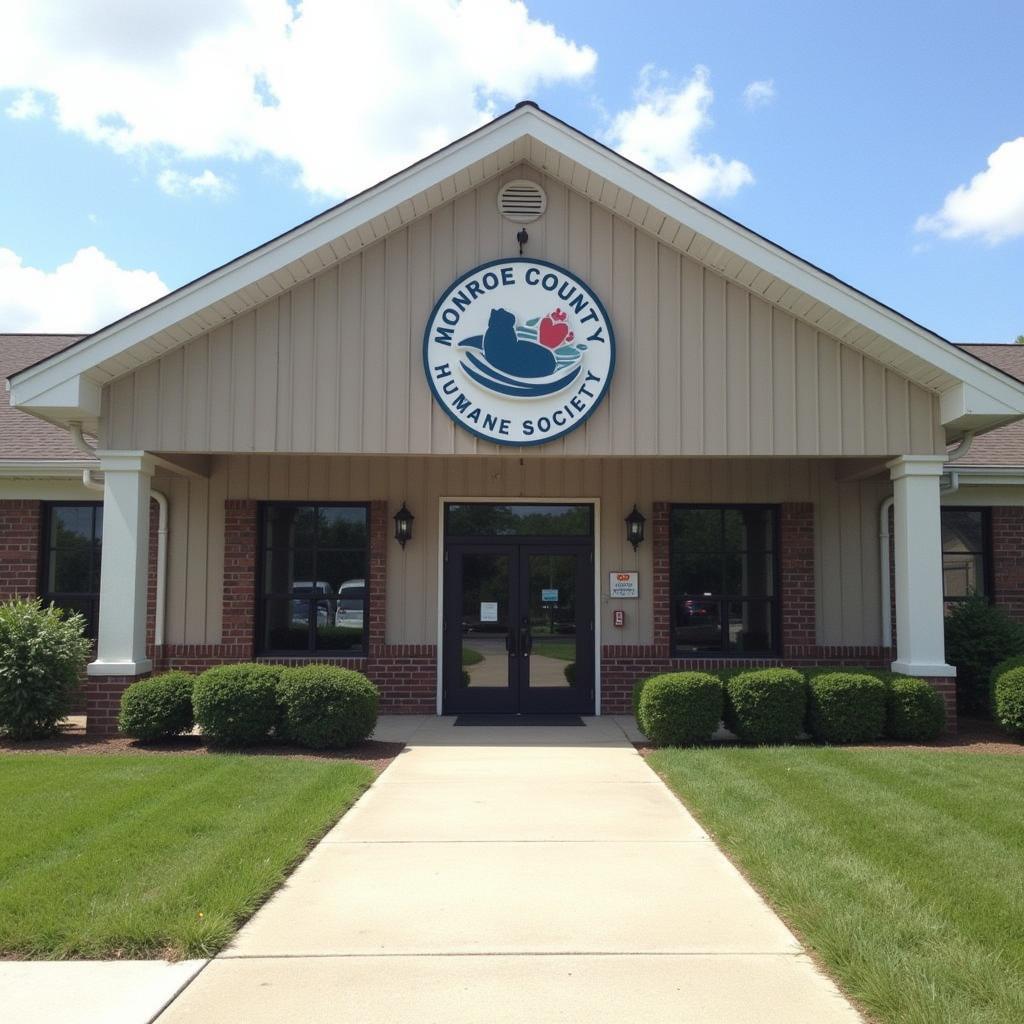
[513, 720]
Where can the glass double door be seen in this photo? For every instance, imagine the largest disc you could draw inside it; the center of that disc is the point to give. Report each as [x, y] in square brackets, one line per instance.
[519, 627]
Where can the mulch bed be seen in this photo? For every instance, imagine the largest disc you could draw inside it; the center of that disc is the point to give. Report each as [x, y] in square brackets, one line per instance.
[974, 736]
[72, 740]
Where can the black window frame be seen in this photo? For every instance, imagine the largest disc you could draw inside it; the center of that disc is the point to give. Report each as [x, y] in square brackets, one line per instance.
[987, 568]
[46, 549]
[263, 598]
[774, 600]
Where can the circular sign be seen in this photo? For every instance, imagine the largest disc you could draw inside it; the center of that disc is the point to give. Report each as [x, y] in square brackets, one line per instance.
[519, 351]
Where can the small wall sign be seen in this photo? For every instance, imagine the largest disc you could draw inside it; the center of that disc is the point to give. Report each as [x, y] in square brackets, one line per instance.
[623, 584]
[549, 596]
[519, 351]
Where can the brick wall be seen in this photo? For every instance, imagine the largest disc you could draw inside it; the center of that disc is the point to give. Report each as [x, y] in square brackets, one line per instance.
[796, 578]
[238, 610]
[19, 548]
[1008, 559]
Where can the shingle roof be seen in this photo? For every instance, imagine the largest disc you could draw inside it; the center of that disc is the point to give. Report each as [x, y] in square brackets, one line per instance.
[23, 436]
[1003, 448]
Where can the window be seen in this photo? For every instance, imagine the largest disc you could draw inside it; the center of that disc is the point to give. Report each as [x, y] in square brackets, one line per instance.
[315, 561]
[723, 573]
[73, 538]
[489, 520]
[966, 545]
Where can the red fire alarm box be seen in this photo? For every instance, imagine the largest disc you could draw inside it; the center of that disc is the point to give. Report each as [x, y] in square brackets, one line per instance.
[618, 617]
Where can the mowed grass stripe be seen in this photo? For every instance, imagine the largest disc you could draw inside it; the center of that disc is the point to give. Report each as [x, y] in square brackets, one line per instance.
[901, 869]
[162, 856]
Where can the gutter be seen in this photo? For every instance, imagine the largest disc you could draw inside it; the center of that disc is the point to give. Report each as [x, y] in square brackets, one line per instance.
[79, 441]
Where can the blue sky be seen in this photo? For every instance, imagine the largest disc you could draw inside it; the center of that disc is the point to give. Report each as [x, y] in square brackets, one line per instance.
[156, 141]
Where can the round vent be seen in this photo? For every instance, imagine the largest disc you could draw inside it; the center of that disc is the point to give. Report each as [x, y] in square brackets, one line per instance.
[522, 201]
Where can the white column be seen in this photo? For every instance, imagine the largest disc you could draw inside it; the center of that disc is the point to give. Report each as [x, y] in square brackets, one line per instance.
[917, 533]
[124, 567]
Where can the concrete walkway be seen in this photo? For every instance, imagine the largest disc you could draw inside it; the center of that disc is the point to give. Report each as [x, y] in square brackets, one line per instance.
[514, 874]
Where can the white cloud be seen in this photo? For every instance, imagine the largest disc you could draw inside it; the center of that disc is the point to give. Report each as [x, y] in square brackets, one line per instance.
[175, 183]
[759, 93]
[990, 206]
[349, 92]
[24, 106]
[84, 294]
[660, 133]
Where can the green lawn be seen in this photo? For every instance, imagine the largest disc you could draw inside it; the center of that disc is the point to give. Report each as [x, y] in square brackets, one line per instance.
[471, 657]
[124, 855]
[902, 870]
[563, 650]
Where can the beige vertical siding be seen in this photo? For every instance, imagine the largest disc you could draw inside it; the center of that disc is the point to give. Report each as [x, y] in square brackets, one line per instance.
[704, 367]
[846, 516]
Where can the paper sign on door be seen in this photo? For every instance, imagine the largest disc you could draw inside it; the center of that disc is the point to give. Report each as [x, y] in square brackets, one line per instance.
[488, 611]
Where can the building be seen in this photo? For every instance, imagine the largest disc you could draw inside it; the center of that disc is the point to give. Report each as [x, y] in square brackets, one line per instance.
[508, 431]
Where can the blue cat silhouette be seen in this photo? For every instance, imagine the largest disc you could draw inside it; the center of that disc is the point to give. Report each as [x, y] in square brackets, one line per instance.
[504, 351]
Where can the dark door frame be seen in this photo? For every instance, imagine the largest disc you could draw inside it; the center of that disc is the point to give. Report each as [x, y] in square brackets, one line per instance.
[585, 700]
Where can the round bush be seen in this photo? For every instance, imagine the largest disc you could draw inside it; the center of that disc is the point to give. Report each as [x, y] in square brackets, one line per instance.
[1008, 699]
[680, 708]
[236, 705]
[326, 707]
[914, 710]
[570, 673]
[979, 635]
[42, 656]
[846, 707]
[157, 708]
[767, 705]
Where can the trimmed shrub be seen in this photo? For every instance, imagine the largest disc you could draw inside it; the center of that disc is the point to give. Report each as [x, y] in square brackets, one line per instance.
[846, 707]
[979, 635]
[1008, 697]
[326, 707]
[766, 705]
[236, 705]
[42, 655]
[680, 708]
[157, 708]
[914, 710]
[570, 673]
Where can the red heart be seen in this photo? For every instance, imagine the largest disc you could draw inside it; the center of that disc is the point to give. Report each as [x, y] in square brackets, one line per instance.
[551, 334]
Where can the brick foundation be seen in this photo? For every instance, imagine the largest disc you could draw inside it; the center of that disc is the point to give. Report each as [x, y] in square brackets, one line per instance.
[20, 534]
[103, 702]
[946, 687]
[622, 666]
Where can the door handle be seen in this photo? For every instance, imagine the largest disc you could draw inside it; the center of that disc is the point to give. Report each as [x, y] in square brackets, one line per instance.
[525, 641]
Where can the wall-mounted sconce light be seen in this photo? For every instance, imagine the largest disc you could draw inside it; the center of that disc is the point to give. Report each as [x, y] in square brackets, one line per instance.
[403, 525]
[635, 527]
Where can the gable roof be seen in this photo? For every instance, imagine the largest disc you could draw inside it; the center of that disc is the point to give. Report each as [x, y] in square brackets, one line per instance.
[975, 395]
[24, 437]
